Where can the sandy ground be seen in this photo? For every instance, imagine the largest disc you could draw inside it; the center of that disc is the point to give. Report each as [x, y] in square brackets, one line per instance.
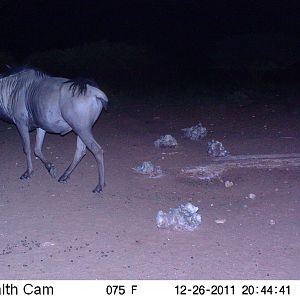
[50, 230]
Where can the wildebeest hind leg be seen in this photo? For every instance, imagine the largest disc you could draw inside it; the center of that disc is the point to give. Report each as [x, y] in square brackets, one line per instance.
[40, 135]
[94, 147]
[79, 153]
[24, 133]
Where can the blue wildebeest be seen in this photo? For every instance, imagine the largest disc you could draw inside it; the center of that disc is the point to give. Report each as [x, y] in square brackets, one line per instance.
[32, 100]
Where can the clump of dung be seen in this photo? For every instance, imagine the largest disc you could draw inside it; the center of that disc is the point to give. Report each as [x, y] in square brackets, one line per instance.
[195, 133]
[166, 141]
[184, 218]
[148, 168]
[216, 149]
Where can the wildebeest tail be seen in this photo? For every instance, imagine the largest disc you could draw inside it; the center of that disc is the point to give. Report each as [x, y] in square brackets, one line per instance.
[78, 85]
[103, 98]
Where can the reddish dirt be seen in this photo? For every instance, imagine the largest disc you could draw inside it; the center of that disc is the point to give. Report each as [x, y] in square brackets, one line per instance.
[64, 231]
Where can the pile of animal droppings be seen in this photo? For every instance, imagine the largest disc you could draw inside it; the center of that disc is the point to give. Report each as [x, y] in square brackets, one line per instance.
[184, 218]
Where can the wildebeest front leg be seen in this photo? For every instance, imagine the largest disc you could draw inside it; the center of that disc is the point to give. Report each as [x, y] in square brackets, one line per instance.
[80, 152]
[94, 147]
[40, 135]
[24, 133]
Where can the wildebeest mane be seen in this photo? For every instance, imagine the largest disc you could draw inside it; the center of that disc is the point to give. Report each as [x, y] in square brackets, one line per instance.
[19, 69]
[79, 85]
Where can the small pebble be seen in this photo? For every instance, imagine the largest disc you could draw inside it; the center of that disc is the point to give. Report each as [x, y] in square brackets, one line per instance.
[272, 222]
[252, 196]
[228, 184]
[220, 221]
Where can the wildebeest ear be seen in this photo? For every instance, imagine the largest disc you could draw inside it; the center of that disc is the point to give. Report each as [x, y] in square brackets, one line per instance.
[8, 66]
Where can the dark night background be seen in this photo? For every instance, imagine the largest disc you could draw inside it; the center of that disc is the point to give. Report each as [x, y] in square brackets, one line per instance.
[157, 41]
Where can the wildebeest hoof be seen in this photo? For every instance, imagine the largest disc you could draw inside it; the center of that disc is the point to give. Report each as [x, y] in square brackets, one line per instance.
[51, 169]
[97, 189]
[63, 178]
[26, 175]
